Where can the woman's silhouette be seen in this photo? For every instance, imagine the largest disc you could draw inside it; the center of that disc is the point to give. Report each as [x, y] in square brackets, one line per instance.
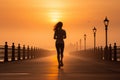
[59, 35]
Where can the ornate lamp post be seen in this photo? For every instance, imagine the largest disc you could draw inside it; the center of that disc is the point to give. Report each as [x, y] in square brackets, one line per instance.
[85, 42]
[94, 31]
[76, 46]
[106, 23]
[80, 44]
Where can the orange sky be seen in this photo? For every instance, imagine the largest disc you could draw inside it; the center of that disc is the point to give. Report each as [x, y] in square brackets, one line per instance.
[31, 21]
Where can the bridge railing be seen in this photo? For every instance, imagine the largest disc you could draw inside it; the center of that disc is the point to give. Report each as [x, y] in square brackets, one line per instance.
[112, 53]
[118, 53]
[13, 53]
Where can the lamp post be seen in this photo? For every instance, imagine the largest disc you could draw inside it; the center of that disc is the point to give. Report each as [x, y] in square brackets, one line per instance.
[94, 32]
[106, 23]
[76, 46]
[85, 42]
[80, 44]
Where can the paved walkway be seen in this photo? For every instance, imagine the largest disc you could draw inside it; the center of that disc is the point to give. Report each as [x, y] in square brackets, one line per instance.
[75, 68]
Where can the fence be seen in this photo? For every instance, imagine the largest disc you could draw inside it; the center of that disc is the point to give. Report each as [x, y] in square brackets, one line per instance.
[110, 53]
[12, 53]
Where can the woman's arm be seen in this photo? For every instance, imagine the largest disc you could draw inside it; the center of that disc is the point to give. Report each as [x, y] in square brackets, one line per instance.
[55, 37]
[64, 36]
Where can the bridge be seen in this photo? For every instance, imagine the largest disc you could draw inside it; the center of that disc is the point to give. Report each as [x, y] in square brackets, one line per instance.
[46, 68]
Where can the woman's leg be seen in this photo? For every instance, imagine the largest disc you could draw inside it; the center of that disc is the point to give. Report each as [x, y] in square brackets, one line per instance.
[58, 53]
[62, 53]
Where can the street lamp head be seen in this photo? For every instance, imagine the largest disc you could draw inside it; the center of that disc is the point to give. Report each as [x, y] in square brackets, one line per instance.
[106, 21]
[94, 30]
[84, 35]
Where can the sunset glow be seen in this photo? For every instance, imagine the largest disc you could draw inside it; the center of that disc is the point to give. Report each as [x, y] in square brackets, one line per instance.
[55, 16]
[31, 22]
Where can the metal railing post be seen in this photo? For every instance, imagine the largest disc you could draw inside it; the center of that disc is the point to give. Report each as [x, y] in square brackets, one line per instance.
[115, 52]
[28, 52]
[13, 52]
[23, 52]
[6, 52]
[19, 52]
[110, 52]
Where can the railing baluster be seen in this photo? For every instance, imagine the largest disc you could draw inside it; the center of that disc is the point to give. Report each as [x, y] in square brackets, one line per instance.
[6, 53]
[28, 52]
[23, 52]
[13, 52]
[115, 52]
[19, 52]
[110, 52]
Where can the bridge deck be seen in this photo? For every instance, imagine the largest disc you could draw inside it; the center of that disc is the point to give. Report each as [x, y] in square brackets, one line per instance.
[75, 68]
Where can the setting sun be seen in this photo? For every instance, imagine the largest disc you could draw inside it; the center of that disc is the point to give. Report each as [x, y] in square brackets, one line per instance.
[55, 16]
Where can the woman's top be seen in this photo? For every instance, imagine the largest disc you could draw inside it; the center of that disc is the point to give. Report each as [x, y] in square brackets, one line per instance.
[59, 35]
